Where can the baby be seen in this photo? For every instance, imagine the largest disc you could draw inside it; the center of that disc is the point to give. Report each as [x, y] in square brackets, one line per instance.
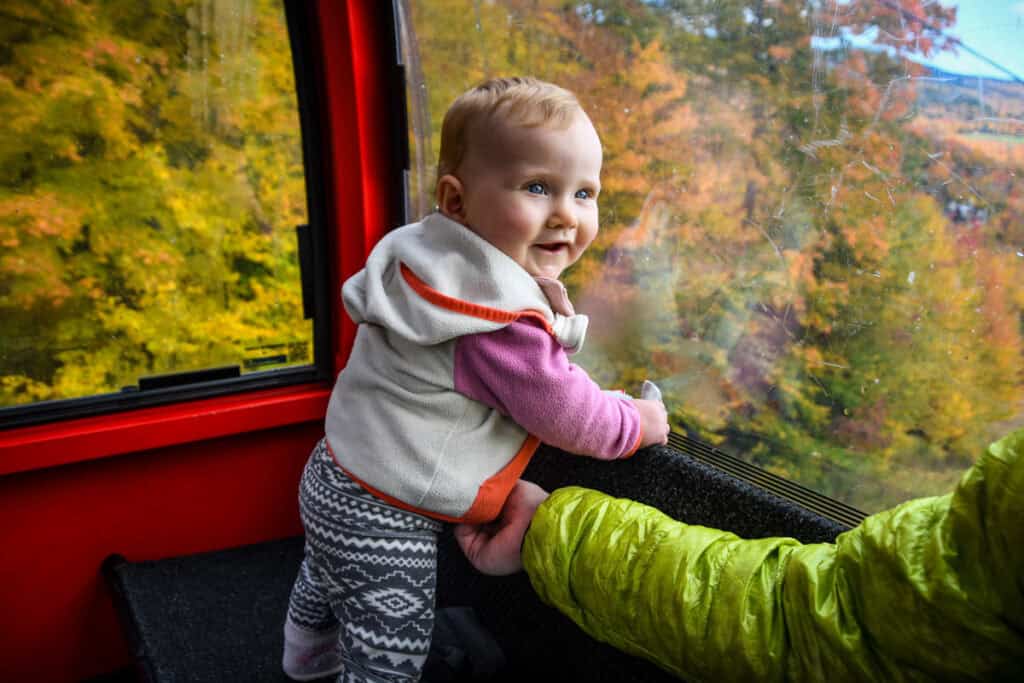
[459, 370]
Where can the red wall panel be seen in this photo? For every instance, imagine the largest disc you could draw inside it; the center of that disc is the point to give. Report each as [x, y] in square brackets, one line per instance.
[56, 621]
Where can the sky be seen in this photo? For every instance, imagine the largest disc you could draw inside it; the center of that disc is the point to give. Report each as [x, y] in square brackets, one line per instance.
[995, 28]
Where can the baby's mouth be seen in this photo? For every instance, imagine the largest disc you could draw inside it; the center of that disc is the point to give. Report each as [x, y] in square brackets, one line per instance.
[553, 246]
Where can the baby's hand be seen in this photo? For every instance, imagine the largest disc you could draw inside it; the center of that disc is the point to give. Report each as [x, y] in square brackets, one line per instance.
[653, 422]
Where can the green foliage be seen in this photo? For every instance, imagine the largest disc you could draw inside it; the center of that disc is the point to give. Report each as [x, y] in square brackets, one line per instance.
[774, 250]
[150, 181]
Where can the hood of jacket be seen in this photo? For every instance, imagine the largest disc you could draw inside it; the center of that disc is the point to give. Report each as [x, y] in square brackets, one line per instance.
[435, 280]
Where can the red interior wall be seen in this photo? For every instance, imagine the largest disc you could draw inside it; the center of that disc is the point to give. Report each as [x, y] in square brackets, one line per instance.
[59, 524]
[182, 479]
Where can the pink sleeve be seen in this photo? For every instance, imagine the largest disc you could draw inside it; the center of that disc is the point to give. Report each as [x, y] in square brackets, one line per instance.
[524, 373]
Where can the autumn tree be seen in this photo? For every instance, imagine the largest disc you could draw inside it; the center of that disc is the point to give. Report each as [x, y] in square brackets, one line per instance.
[152, 178]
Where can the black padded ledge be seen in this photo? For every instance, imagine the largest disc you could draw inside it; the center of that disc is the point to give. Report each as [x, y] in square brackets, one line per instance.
[218, 616]
[687, 489]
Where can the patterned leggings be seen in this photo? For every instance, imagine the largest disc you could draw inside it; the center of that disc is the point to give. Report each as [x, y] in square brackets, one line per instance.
[369, 567]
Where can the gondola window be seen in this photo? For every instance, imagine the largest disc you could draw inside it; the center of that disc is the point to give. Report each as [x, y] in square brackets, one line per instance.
[151, 182]
[812, 215]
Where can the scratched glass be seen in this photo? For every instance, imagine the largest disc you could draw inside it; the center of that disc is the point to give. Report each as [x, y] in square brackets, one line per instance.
[812, 216]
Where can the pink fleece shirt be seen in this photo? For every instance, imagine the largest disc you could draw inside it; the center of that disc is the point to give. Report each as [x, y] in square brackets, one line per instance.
[522, 372]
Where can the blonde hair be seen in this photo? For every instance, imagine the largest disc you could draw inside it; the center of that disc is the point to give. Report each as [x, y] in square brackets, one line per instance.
[524, 100]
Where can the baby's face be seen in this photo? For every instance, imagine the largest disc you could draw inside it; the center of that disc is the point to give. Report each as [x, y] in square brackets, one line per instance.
[532, 191]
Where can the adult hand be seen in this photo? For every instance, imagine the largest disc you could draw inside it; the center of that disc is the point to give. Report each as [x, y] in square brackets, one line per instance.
[494, 548]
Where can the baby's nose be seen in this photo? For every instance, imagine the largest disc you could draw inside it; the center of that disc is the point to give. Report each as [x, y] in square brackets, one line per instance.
[562, 216]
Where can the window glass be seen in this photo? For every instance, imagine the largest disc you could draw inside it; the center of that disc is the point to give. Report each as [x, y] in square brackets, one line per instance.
[812, 217]
[151, 182]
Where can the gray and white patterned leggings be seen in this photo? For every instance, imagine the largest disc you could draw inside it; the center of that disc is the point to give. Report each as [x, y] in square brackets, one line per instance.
[369, 567]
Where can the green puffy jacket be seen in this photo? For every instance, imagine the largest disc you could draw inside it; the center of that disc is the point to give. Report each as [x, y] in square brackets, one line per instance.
[930, 590]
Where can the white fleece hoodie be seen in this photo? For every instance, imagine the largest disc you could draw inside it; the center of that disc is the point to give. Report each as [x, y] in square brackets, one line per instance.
[394, 421]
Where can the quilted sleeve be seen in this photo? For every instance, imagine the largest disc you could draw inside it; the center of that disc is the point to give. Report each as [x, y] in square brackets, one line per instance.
[930, 590]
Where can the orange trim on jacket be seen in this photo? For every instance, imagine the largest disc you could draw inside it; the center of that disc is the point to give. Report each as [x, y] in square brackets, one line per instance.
[636, 445]
[487, 313]
[489, 498]
[465, 307]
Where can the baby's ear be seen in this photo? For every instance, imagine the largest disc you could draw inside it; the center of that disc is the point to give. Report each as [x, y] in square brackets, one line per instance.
[450, 200]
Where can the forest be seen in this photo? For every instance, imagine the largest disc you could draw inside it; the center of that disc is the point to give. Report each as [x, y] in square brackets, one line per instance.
[814, 246]
[151, 182]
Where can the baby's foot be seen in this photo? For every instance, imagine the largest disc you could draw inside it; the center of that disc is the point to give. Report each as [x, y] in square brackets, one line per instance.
[309, 655]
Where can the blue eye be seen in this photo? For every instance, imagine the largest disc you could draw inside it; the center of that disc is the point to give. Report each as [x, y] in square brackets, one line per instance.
[536, 188]
[584, 194]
